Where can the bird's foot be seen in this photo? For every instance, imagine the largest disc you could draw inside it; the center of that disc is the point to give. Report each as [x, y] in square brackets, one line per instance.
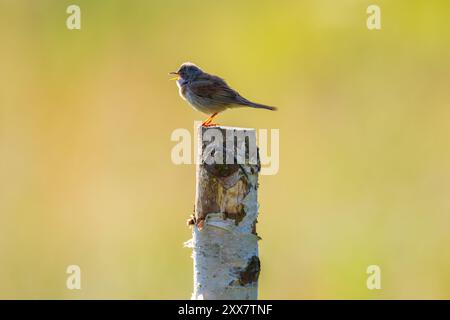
[209, 124]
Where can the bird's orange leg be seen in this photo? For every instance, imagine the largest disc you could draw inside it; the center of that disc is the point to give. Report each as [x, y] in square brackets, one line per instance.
[208, 122]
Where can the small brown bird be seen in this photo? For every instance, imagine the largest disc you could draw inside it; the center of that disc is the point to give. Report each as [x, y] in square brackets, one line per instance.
[208, 93]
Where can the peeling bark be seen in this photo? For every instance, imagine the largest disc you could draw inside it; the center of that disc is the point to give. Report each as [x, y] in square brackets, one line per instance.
[251, 272]
[225, 243]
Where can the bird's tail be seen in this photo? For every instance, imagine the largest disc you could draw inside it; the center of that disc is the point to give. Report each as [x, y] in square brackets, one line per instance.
[259, 106]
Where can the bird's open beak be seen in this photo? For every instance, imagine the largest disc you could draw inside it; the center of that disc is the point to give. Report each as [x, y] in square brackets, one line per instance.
[174, 73]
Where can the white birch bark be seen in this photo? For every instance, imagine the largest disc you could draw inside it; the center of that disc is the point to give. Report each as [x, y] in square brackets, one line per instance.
[225, 243]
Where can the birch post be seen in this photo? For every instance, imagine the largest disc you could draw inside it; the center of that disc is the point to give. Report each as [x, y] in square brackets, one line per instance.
[225, 242]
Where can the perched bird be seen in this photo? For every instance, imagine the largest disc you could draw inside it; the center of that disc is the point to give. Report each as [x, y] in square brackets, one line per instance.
[208, 93]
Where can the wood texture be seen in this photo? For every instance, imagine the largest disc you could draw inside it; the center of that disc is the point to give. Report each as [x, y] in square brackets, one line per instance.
[225, 248]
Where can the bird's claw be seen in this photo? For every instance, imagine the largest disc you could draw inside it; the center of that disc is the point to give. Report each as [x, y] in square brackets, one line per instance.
[209, 124]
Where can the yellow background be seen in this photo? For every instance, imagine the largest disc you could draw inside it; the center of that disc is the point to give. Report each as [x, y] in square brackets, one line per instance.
[86, 118]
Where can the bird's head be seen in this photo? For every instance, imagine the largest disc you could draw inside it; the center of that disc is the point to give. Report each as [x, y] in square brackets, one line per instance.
[188, 71]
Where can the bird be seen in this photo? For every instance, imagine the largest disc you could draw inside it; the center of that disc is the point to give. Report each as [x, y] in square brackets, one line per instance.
[208, 93]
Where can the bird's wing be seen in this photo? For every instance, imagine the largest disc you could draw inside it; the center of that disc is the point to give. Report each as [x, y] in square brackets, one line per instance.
[214, 88]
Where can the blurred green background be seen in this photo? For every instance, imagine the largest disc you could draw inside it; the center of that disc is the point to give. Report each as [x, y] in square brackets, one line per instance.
[86, 118]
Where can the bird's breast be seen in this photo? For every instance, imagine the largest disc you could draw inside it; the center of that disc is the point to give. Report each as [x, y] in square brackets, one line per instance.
[182, 88]
[185, 93]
